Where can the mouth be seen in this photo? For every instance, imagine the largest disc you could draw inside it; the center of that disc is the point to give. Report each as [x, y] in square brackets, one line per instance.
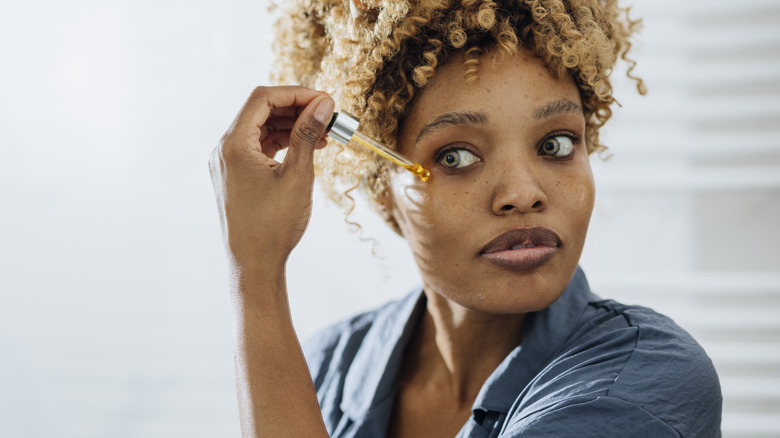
[522, 249]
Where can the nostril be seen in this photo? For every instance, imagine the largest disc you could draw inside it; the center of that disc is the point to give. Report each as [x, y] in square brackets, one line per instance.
[523, 200]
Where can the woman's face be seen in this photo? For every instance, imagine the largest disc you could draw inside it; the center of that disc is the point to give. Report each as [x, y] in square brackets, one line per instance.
[500, 224]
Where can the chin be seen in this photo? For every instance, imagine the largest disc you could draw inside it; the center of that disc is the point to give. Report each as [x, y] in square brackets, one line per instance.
[505, 292]
[524, 298]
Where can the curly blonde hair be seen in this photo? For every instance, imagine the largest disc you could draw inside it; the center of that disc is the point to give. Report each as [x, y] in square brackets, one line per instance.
[374, 56]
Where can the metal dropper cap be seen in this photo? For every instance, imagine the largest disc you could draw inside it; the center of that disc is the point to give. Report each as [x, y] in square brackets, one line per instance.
[342, 127]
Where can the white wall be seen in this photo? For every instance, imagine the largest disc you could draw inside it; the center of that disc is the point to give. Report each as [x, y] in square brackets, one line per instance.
[114, 315]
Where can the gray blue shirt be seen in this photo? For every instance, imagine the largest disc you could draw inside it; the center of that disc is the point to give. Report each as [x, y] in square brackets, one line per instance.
[587, 367]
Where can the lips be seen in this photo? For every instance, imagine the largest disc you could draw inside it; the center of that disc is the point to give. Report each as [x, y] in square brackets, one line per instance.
[522, 249]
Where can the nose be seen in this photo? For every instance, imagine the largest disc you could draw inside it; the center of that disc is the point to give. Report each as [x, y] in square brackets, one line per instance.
[517, 189]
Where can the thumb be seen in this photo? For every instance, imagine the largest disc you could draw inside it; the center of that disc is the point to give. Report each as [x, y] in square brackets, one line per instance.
[306, 133]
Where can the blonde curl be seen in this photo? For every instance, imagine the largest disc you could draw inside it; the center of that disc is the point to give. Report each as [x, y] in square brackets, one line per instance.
[375, 63]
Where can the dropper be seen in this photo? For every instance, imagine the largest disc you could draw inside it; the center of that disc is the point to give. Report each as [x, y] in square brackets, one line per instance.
[344, 128]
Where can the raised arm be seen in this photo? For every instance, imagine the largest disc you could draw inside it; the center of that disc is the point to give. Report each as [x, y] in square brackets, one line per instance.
[264, 208]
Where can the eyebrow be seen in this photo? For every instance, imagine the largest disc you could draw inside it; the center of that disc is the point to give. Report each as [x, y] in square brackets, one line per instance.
[556, 108]
[452, 119]
[457, 118]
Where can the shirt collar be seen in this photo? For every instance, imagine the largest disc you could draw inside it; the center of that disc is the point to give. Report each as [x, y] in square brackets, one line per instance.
[545, 332]
[370, 382]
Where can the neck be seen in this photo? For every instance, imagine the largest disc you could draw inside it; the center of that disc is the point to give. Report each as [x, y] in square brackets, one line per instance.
[457, 349]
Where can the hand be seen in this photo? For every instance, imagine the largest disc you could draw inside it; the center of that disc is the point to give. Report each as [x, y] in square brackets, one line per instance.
[265, 205]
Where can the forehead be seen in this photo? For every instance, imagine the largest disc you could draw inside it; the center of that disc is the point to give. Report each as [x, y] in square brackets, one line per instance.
[516, 87]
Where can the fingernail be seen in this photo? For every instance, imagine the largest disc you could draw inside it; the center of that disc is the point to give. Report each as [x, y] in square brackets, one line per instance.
[324, 111]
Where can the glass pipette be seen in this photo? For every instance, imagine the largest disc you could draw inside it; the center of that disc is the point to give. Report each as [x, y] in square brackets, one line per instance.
[344, 128]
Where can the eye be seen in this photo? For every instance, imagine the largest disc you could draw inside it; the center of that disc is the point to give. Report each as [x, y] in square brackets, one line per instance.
[559, 146]
[455, 158]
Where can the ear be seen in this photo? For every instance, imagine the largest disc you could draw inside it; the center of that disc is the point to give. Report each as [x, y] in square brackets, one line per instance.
[385, 206]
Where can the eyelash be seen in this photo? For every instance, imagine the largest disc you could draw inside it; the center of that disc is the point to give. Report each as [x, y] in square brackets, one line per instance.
[437, 157]
[575, 140]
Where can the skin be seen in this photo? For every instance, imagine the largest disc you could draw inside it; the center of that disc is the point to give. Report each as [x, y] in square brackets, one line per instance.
[265, 205]
[276, 396]
[507, 184]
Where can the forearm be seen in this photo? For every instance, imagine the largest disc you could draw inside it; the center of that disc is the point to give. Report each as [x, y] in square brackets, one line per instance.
[276, 395]
[264, 208]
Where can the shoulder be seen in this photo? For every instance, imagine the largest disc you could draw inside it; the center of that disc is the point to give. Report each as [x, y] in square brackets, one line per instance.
[593, 417]
[669, 374]
[624, 368]
[334, 348]
[338, 342]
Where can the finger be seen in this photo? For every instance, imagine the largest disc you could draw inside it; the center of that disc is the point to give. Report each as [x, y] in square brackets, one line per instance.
[309, 129]
[275, 124]
[263, 100]
[277, 141]
[322, 143]
[290, 111]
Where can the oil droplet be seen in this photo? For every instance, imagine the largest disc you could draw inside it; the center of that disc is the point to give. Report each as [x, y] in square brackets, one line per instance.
[420, 171]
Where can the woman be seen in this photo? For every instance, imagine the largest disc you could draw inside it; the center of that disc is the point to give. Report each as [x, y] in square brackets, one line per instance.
[502, 102]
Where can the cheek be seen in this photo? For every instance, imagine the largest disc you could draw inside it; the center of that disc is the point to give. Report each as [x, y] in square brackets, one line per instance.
[410, 206]
[428, 214]
[578, 195]
[587, 191]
